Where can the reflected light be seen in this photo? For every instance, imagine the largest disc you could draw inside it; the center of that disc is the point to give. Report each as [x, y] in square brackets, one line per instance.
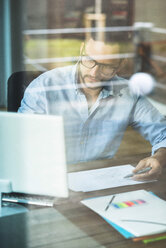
[141, 83]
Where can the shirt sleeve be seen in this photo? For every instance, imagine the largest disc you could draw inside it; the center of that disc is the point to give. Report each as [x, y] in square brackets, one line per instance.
[34, 100]
[150, 123]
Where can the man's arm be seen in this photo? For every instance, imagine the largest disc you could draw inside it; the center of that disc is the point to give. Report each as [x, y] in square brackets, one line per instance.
[151, 124]
[156, 162]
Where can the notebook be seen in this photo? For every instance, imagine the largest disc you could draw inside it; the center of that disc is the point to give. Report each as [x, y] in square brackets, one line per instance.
[133, 214]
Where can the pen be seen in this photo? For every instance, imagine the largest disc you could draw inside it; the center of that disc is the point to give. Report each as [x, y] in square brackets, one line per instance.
[139, 172]
[109, 202]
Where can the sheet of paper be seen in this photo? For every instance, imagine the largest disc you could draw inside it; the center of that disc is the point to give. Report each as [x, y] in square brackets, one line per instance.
[98, 179]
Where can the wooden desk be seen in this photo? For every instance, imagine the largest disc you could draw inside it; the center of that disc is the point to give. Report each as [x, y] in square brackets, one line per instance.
[71, 224]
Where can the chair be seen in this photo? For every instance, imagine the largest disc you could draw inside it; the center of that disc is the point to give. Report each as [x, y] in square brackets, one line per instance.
[17, 83]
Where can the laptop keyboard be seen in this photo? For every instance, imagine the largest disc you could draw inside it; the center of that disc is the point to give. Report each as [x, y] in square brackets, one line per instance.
[37, 200]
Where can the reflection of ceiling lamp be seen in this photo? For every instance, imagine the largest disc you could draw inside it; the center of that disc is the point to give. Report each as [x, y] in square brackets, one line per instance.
[141, 83]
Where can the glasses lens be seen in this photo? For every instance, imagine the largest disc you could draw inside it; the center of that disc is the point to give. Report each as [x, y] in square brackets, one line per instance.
[107, 70]
[88, 62]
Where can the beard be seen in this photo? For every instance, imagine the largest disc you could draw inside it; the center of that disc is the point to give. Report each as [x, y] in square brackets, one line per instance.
[90, 82]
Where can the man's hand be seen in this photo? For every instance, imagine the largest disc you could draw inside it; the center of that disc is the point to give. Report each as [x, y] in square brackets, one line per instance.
[154, 173]
[156, 162]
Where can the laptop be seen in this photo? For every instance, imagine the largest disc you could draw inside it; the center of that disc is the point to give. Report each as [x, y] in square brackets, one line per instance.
[32, 152]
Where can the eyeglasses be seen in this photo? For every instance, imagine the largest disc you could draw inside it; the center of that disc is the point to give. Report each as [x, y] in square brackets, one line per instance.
[104, 69]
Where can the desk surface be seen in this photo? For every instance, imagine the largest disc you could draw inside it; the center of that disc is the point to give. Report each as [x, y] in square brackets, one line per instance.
[71, 224]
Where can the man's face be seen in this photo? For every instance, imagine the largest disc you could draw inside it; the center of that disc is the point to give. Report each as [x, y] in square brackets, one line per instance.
[96, 66]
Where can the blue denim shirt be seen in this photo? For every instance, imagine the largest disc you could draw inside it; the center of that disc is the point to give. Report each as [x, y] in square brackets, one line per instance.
[95, 133]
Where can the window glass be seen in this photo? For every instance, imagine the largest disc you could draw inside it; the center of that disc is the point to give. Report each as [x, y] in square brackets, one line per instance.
[54, 31]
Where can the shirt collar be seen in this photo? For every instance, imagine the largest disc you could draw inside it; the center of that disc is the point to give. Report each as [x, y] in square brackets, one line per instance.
[115, 86]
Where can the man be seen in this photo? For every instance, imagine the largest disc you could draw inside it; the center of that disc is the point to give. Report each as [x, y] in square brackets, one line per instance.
[97, 107]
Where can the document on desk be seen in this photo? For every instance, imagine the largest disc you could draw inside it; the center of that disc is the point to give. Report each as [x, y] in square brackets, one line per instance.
[133, 214]
[91, 180]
